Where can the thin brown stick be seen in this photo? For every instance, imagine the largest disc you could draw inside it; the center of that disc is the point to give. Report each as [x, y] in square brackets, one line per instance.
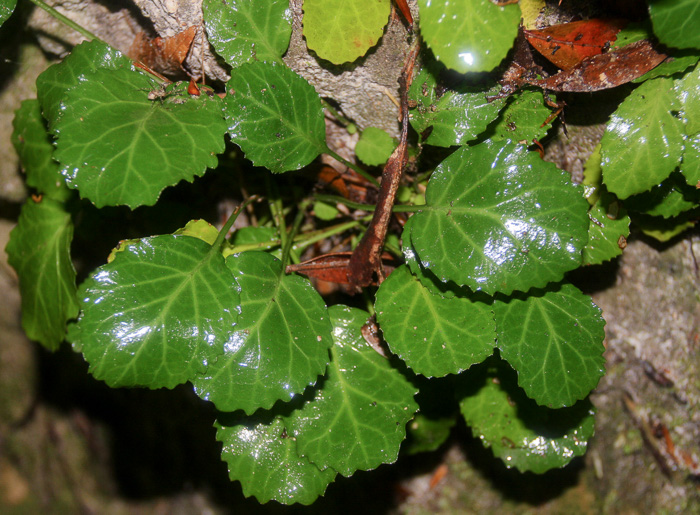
[366, 262]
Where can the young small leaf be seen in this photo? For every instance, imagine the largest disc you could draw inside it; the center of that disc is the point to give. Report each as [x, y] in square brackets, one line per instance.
[275, 116]
[670, 198]
[468, 35]
[455, 116]
[427, 434]
[525, 436]
[161, 311]
[341, 31]
[608, 230]
[39, 250]
[499, 219]
[280, 344]
[118, 147]
[357, 418]
[35, 151]
[374, 146]
[676, 23]
[643, 140]
[241, 31]
[554, 339]
[264, 458]
[522, 120]
[435, 336]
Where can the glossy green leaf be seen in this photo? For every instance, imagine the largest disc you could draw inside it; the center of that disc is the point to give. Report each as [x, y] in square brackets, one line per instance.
[117, 147]
[341, 31]
[499, 219]
[241, 31]
[200, 229]
[690, 168]
[607, 232]
[280, 344]
[676, 22]
[263, 457]
[522, 120]
[275, 116]
[55, 81]
[35, 150]
[554, 339]
[687, 88]
[668, 199]
[434, 335]
[374, 146]
[452, 117]
[643, 140]
[357, 418]
[161, 311]
[468, 35]
[39, 250]
[427, 434]
[525, 436]
[7, 7]
[670, 67]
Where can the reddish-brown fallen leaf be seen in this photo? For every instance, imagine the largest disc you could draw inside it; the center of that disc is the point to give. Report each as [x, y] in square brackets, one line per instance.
[403, 7]
[568, 44]
[163, 54]
[335, 267]
[604, 71]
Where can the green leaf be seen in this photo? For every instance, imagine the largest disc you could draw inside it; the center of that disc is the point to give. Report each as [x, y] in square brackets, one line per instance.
[7, 7]
[35, 151]
[687, 88]
[341, 31]
[607, 232]
[275, 116]
[525, 436]
[676, 22]
[664, 229]
[117, 147]
[241, 31]
[280, 344]
[500, 219]
[427, 434]
[643, 140]
[668, 199]
[161, 311]
[522, 121]
[357, 418]
[39, 250]
[455, 116]
[690, 168]
[554, 339]
[374, 146]
[55, 81]
[435, 336]
[261, 455]
[200, 229]
[678, 64]
[468, 35]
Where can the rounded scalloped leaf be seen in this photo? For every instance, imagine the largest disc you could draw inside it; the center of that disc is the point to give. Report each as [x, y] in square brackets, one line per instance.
[676, 23]
[374, 146]
[275, 116]
[607, 232]
[554, 339]
[451, 117]
[35, 151]
[434, 335]
[499, 219]
[261, 455]
[670, 198]
[523, 435]
[690, 168]
[39, 250]
[280, 345]
[158, 313]
[241, 31]
[468, 35]
[117, 147]
[341, 31]
[522, 120]
[643, 140]
[7, 7]
[357, 418]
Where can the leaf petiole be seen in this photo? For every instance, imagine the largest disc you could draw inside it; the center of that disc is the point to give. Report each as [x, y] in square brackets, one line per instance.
[352, 166]
[67, 21]
[229, 223]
